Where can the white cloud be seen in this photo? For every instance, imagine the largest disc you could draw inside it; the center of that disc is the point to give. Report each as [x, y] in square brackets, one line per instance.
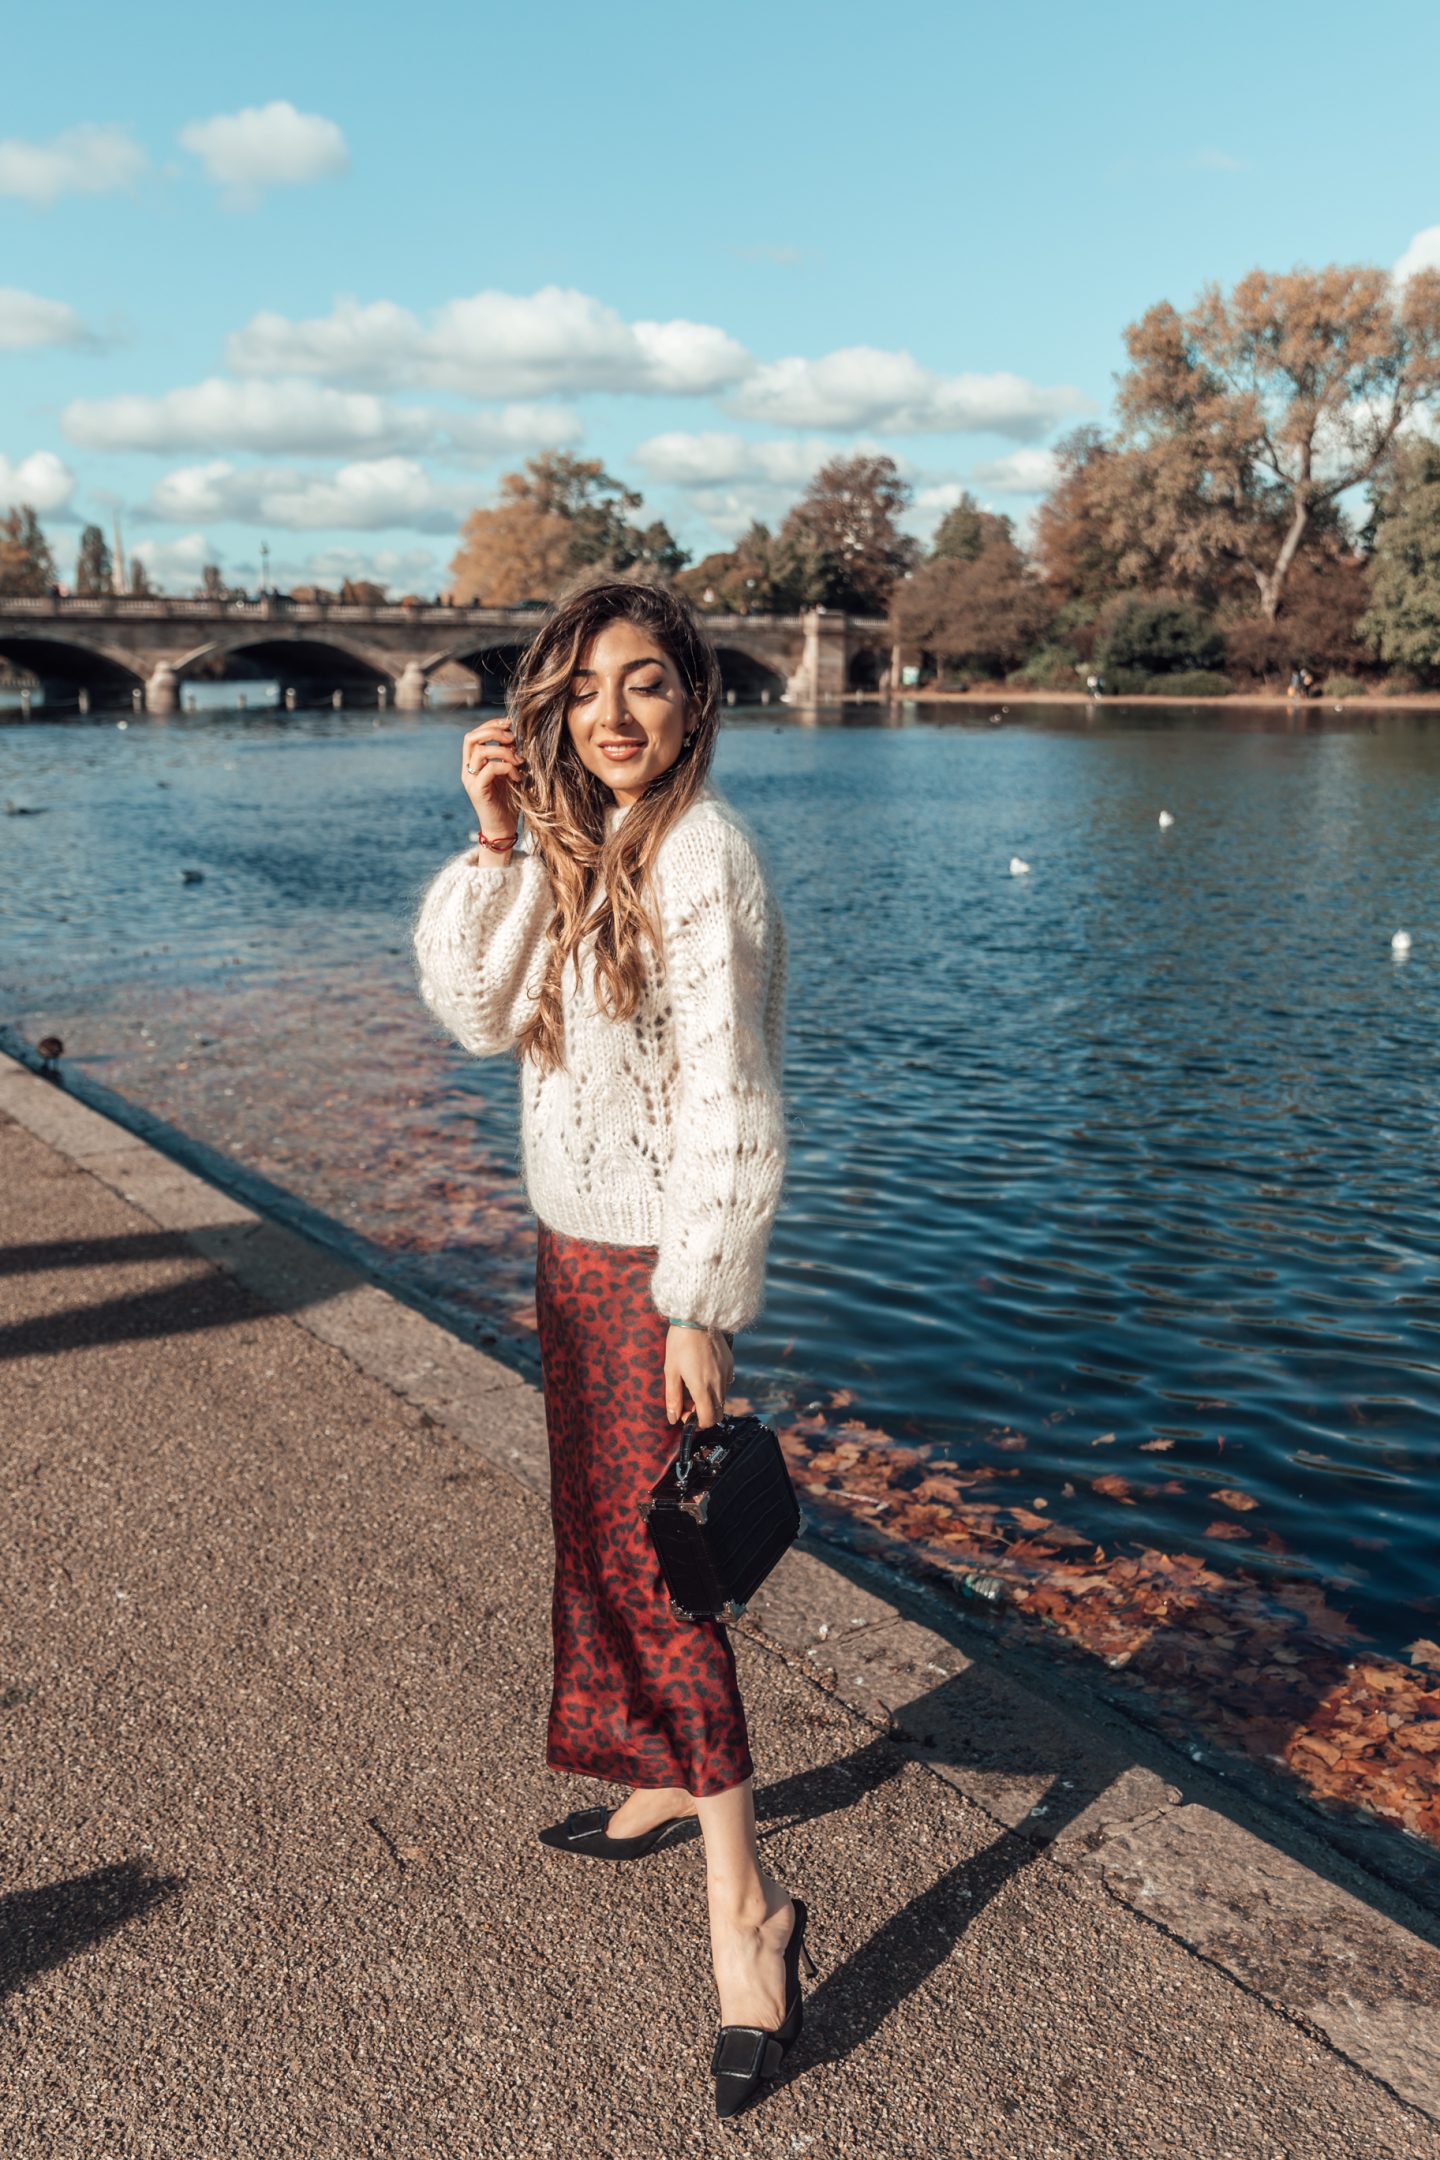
[403, 569]
[289, 415]
[730, 511]
[293, 416]
[369, 495]
[1019, 472]
[932, 501]
[680, 460]
[27, 320]
[863, 386]
[266, 146]
[482, 436]
[1423, 253]
[495, 344]
[81, 161]
[1219, 161]
[40, 480]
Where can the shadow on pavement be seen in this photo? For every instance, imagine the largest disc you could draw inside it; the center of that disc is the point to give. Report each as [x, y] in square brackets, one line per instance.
[40, 1929]
[853, 1999]
[206, 1299]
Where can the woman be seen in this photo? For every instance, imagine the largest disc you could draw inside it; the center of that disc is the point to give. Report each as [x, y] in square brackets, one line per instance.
[633, 958]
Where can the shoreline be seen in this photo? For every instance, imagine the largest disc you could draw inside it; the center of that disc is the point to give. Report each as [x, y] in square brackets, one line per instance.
[375, 1600]
[1281, 1701]
[1268, 700]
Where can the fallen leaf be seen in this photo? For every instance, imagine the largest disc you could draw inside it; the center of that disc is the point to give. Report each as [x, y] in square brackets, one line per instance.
[1113, 1486]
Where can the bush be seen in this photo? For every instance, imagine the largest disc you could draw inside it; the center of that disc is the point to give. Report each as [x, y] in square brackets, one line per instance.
[1401, 684]
[1156, 636]
[1054, 667]
[1189, 683]
[1124, 681]
[1346, 686]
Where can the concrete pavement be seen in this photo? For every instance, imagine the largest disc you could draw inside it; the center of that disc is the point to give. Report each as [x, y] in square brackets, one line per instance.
[273, 1669]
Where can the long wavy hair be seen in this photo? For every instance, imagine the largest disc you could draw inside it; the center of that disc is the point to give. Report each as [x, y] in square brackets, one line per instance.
[564, 803]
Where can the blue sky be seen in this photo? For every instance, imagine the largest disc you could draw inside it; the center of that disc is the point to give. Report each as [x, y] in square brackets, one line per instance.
[317, 277]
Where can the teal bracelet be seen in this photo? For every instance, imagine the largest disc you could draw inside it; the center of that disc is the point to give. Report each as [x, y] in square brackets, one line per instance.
[729, 1337]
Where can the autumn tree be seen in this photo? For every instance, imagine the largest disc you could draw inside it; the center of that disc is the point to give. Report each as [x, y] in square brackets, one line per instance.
[94, 571]
[1256, 410]
[557, 519]
[362, 592]
[27, 567]
[140, 583]
[1402, 621]
[984, 613]
[1092, 534]
[844, 535]
[1326, 595]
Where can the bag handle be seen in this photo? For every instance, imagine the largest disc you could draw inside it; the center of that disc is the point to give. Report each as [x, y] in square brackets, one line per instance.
[689, 1433]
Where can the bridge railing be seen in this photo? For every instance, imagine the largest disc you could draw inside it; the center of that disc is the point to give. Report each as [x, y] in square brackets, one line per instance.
[459, 619]
[158, 607]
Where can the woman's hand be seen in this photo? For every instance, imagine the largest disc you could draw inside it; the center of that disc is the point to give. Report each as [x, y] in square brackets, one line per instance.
[699, 1364]
[492, 772]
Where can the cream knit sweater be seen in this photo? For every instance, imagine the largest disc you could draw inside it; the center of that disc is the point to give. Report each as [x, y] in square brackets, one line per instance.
[667, 1129]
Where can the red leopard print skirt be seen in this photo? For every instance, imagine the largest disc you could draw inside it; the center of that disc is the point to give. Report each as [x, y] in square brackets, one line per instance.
[641, 1696]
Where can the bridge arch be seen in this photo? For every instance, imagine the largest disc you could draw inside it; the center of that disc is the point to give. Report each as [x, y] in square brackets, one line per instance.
[750, 677]
[866, 666]
[64, 667]
[298, 658]
[491, 660]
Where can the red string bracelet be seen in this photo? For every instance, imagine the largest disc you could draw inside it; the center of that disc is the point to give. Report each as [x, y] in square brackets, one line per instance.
[500, 846]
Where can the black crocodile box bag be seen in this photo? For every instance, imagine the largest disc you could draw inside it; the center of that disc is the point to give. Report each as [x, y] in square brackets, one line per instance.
[721, 1516]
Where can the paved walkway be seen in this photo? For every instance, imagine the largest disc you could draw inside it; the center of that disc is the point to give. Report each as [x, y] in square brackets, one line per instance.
[273, 1661]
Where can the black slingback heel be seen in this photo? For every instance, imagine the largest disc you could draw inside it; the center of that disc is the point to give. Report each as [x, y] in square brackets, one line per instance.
[745, 2055]
[584, 1832]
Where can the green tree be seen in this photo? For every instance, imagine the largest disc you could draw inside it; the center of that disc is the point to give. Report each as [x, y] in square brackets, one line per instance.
[964, 532]
[27, 567]
[1402, 621]
[1157, 636]
[94, 572]
[844, 536]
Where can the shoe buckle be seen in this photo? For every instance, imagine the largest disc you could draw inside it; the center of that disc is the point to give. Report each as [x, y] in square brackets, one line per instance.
[746, 2057]
[586, 1822]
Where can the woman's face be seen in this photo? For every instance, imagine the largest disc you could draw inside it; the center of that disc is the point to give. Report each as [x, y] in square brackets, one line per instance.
[627, 712]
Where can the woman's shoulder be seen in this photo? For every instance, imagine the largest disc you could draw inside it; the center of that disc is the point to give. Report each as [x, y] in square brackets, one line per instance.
[711, 831]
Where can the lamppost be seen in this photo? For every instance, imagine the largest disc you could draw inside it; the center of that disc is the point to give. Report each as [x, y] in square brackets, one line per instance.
[264, 568]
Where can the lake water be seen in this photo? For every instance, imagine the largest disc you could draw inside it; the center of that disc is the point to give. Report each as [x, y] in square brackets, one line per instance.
[1113, 1186]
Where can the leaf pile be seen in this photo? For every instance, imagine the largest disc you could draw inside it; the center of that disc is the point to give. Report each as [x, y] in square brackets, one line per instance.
[1273, 1670]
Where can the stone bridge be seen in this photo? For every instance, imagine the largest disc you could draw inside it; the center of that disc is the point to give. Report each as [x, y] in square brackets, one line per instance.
[132, 651]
